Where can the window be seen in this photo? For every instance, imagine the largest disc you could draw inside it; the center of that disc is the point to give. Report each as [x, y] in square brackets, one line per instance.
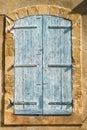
[43, 66]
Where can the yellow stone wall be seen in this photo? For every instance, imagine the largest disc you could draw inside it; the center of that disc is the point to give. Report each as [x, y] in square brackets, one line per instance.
[76, 52]
[79, 44]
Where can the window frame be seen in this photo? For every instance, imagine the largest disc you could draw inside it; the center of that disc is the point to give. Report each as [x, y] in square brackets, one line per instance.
[75, 118]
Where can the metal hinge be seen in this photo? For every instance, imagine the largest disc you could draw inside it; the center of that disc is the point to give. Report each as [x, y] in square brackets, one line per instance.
[59, 65]
[25, 65]
[12, 103]
[25, 103]
[60, 103]
[25, 27]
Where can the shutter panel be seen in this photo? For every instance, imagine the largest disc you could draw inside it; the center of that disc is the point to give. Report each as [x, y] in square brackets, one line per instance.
[28, 65]
[57, 86]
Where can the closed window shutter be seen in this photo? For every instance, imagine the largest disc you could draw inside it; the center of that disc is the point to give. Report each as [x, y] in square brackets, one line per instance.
[28, 66]
[43, 66]
[57, 66]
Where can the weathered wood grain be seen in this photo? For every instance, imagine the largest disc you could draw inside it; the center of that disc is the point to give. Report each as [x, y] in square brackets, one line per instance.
[57, 80]
[28, 50]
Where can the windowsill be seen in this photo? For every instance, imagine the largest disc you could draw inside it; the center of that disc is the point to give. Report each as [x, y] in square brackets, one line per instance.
[10, 119]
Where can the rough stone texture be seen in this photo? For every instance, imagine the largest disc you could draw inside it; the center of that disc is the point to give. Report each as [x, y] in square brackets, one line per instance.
[9, 54]
[33, 10]
[54, 10]
[9, 45]
[84, 69]
[42, 9]
[1, 64]
[22, 12]
[5, 7]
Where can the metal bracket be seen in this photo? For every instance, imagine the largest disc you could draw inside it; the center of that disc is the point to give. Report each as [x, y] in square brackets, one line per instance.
[25, 65]
[60, 103]
[59, 65]
[25, 103]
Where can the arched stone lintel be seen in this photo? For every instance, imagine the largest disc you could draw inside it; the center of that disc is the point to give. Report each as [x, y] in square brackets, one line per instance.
[41, 10]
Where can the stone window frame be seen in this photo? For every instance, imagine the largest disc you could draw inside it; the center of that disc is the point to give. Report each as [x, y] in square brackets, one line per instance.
[76, 117]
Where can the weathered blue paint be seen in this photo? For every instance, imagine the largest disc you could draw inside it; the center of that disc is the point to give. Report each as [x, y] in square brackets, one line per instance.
[56, 50]
[28, 50]
[46, 42]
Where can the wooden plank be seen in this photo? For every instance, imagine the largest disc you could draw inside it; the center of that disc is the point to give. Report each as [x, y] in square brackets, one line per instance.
[66, 72]
[52, 76]
[27, 45]
[56, 53]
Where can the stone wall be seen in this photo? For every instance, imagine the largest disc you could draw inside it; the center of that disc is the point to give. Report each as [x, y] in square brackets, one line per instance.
[76, 57]
[79, 52]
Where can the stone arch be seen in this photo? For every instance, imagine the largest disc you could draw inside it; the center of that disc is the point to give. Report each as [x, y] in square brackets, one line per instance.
[41, 10]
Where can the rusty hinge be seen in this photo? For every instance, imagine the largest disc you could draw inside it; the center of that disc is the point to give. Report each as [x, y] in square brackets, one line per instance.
[60, 103]
[12, 103]
[59, 65]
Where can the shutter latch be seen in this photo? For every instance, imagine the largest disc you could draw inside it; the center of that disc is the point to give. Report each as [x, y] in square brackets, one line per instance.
[11, 103]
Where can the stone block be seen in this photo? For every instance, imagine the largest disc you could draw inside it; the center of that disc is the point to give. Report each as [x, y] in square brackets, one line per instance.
[9, 50]
[11, 16]
[9, 45]
[22, 12]
[32, 10]
[76, 43]
[77, 73]
[54, 10]
[9, 90]
[75, 33]
[74, 18]
[76, 79]
[9, 81]
[77, 93]
[8, 35]
[9, 65]
[76, 56]
[1, 26]
[64, 13]
[43, 9]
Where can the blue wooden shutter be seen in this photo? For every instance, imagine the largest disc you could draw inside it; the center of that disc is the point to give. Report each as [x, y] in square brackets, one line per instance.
[43, 80]
[57, 79]
[28, 65]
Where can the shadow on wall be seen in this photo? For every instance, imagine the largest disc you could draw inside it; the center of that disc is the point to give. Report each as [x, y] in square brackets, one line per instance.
[81, 8]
